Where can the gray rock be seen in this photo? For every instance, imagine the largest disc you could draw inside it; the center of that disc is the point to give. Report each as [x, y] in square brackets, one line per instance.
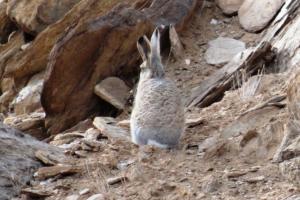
[114, 91]
[16, 165]
[229, 7]
[222, 50]
[255, 15]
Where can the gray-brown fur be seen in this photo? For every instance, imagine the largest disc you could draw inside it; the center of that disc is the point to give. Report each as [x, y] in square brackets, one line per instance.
[158, 116]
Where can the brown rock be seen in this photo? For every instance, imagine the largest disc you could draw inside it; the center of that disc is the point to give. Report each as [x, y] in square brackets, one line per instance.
[35, 16]
[105, 46]
[114, 91]
[48, 172]
[34, 58]
[25, 122]
[229, 7]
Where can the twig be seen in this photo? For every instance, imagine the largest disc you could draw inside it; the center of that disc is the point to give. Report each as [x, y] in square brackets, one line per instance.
[274, 101]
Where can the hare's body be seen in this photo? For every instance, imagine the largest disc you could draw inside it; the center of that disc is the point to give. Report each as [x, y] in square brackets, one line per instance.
[158, 116]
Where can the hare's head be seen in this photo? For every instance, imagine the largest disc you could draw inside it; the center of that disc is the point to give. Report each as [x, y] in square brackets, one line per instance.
[150, 53]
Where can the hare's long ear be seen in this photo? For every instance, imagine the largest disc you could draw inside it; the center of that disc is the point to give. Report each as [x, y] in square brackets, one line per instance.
[155, 43]
[143, 46]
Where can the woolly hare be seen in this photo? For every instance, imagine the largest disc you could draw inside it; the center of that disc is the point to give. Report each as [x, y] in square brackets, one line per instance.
[158, 115]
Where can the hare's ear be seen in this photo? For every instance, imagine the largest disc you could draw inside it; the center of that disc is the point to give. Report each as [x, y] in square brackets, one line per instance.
[143, 46]
[155, 42]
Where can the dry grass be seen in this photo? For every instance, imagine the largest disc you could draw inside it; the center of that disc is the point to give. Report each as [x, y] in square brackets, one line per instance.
[247, 86]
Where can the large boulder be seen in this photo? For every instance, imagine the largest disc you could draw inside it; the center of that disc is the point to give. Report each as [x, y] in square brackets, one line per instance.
[255, 15]
[35, 15]
[16, 165]
[229, 7]
[95, 49]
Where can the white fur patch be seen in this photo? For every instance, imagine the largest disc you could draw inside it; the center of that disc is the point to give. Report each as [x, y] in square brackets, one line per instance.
[157, 144]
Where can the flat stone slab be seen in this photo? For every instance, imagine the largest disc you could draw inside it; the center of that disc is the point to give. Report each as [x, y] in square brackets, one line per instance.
[114, 91]
[222, 50]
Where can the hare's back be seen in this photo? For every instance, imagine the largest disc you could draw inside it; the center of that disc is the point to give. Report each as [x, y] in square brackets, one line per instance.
[159, 103]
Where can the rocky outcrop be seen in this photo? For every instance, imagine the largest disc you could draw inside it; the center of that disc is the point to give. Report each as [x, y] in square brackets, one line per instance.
[34, 58]
[256, 15]
[105, 46]
[229, 7]
[35, 16]
[16, 165]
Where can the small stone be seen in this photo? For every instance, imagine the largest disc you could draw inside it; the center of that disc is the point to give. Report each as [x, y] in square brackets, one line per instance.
[84, 191]
[114, 91]
[97, 197]
[254, 168]
[255, 179]
[187, 61]
[235, 174]
[72, 197]
[214, 22]
[115, 180]
[222, 50]
[92, 134]
[25, 46]
[192, 122]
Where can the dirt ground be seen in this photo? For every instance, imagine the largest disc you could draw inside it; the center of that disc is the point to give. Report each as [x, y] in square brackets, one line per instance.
[229, 167]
